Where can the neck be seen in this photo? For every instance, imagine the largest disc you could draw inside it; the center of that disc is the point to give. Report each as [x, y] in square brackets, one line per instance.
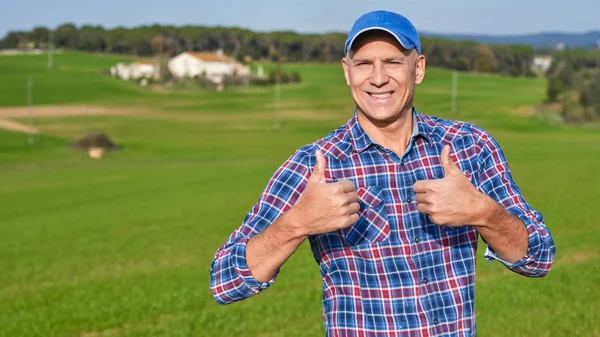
[393, 135]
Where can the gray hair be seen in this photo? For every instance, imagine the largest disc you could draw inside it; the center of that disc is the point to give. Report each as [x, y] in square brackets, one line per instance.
[349, 54]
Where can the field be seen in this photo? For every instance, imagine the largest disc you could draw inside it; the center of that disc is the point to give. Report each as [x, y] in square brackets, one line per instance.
[122, 246]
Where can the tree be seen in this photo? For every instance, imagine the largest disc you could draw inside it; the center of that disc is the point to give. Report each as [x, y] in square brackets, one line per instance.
[281, 46]
[40, 35]
[67, 36]
[554, 89]
[590, 97]
[485, 59]
[567, 76]
[91, 38]
[12, 40]
[158, 44]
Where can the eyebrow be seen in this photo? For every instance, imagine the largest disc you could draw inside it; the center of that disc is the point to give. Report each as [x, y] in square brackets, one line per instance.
[361, 61]
[396, 58]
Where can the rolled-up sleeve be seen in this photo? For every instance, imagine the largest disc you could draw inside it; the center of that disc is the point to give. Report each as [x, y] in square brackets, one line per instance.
[495, 180]
[230, 278]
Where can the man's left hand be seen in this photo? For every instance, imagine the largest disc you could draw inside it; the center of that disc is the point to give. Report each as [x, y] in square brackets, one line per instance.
[452, 200]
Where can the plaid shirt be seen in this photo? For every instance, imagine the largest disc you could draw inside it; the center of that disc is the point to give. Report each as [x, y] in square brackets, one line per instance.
[394, 272]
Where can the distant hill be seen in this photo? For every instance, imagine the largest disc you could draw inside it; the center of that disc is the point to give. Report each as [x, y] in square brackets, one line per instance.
[537, 41]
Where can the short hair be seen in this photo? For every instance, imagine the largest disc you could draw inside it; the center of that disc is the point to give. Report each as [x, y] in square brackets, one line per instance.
[350, 54]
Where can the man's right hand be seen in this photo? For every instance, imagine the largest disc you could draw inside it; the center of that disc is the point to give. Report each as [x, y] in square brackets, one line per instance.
[324, 207]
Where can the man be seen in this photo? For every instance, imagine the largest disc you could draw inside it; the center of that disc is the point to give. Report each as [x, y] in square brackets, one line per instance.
[392, 204]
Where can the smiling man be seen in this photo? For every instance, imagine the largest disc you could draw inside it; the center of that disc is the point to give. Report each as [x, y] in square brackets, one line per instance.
[392, 202]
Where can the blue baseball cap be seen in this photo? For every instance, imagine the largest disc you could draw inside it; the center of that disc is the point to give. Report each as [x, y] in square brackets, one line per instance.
[397, 25]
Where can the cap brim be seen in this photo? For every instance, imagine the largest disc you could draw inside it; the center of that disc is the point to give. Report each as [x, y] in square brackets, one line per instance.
[405, 44]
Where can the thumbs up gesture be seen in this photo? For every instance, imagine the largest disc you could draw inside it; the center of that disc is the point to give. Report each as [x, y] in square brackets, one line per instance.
[452, 200]
[324, 207]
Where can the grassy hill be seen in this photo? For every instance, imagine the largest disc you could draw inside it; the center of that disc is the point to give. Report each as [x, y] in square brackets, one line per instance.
[122, 246]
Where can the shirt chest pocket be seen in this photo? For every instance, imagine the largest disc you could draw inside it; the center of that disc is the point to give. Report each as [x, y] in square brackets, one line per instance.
[373, 225]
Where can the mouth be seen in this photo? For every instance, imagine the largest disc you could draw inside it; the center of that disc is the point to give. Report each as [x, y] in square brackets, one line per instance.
[380, 95]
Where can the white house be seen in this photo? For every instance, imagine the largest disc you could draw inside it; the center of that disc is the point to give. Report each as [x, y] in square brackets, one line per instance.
[136, 70]
[541, 63]
[212, 65]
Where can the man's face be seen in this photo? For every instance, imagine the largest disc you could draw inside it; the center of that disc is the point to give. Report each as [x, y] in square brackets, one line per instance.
[382, 76]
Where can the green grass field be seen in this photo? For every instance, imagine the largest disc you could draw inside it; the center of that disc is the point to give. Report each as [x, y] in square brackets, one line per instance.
[123, 246]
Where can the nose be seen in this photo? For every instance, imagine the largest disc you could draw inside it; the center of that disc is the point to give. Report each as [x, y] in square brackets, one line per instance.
[379, 76]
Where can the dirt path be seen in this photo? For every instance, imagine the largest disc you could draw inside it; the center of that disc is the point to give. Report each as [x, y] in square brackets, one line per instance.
[41, 111]
[46, 111]
[16, 126]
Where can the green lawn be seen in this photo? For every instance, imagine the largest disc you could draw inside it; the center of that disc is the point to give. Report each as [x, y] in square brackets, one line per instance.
[122, 246]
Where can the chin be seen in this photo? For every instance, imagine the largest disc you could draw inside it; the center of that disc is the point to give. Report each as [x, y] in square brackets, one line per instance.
[381, 115]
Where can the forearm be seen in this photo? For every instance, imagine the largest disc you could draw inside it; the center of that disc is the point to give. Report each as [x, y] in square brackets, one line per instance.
[268, 251]
[244, 267]
[504, 233]
[515, 232]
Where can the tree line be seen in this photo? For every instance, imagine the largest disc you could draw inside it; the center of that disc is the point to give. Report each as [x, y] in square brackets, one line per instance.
[244, 44]
[574, 83]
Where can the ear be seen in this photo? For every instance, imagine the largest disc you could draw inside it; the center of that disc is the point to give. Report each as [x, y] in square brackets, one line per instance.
[346, 74]
[420, 69]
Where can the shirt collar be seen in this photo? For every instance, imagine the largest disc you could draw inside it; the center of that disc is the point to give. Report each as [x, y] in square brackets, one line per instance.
[420, 126]
[361, 141]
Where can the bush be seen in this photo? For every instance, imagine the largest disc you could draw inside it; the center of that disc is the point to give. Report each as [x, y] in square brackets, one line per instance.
[295, 77]
[100, 140]
[201, 81]
[259, 81]
[204, 82]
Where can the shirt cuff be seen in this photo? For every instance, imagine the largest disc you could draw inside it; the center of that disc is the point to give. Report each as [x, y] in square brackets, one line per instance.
[491, 256]
[534, 243]
[239, 263]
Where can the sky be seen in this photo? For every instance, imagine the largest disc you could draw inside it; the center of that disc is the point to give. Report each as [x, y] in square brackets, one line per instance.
[493, 17]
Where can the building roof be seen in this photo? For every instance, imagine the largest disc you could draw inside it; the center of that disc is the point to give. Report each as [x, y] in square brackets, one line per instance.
[151, 62]
[209, 56]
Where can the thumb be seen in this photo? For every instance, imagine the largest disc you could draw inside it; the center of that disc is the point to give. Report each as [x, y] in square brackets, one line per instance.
[319, 169]
[447, 162]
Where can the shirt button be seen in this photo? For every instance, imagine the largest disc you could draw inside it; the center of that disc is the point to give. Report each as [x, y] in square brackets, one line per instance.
[425, 280]
[417, 240]
[435, 321]
[409, 200]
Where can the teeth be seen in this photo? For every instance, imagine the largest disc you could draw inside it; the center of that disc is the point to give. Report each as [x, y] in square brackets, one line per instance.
[387, 94]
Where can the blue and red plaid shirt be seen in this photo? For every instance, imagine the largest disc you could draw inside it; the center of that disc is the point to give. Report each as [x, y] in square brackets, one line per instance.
[394, 272]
